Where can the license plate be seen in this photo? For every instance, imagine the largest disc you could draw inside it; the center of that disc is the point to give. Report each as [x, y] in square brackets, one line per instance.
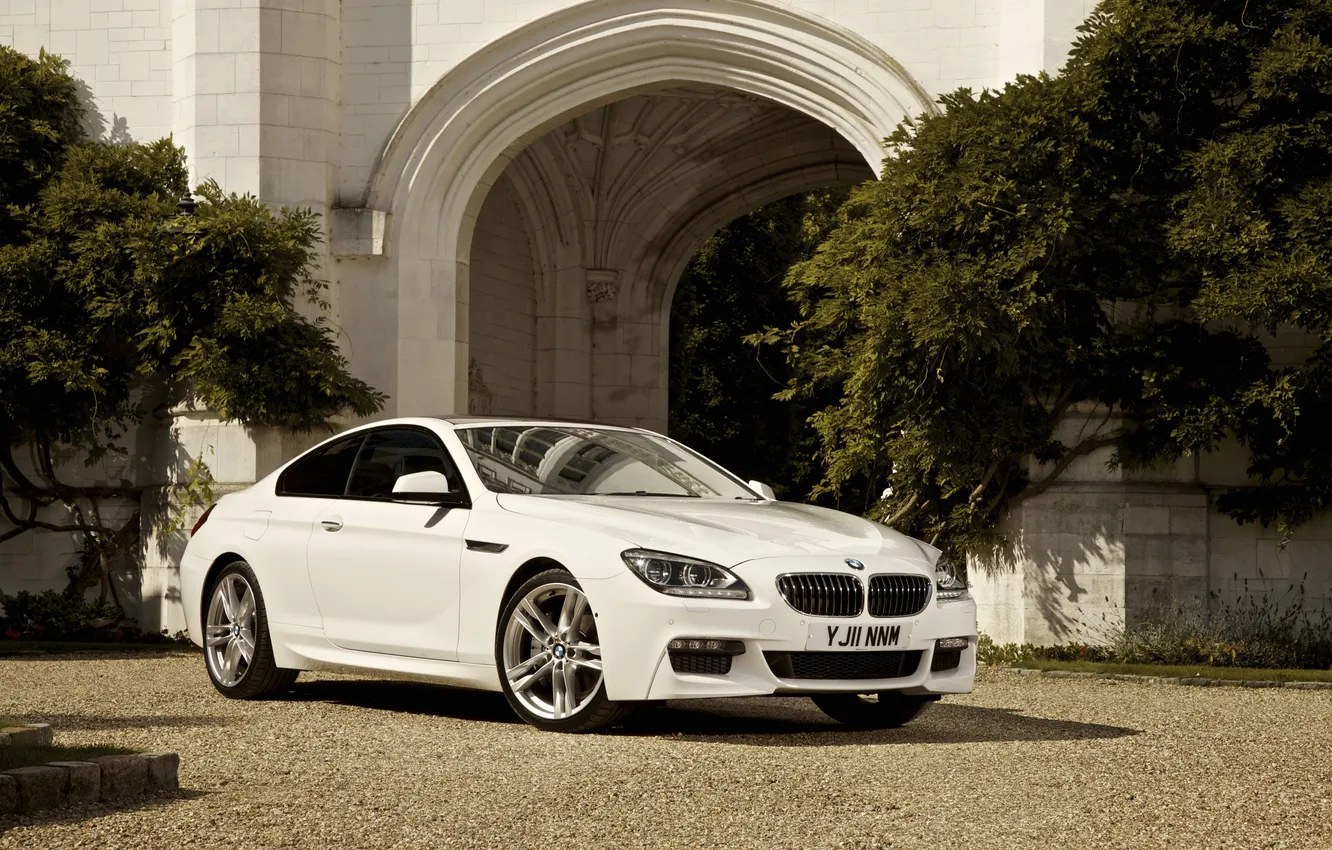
[853, 637]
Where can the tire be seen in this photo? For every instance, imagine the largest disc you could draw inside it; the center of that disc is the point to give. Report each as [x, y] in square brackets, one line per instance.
[234, 620]
[556, 657]
[884, 710]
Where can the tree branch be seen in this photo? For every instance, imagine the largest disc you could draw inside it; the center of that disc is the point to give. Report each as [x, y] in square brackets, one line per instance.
[31, 522]
[1086, 447]
[904, 510]
[985, 482]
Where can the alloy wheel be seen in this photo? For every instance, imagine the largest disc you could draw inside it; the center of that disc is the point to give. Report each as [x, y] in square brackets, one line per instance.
[551, 654]
[230, 630]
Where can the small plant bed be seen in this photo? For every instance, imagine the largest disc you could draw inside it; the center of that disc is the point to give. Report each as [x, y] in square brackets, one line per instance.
[49, 616]
[61, 647]
[12, 757]
[1252, 674]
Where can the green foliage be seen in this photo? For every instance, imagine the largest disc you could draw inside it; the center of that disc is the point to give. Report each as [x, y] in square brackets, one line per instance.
[1002, 654]
[54, 616]
[115, 309]
[1115, 238]
[192, 496]
[39, 121]
[721, 393]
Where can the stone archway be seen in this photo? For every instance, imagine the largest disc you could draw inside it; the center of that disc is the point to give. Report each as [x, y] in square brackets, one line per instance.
[487, 123]
[578, 245]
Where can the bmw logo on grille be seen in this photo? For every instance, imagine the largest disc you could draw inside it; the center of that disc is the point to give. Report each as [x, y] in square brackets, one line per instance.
[854, 564]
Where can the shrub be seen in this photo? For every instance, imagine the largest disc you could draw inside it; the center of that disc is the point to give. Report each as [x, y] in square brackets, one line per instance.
[55, 616]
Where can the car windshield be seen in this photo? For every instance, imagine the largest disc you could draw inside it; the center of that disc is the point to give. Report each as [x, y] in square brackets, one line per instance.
[559, 460]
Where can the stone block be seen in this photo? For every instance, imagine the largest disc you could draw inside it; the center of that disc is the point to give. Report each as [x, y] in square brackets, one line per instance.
[122, 776]
[40, 787]
[163, 771]
[1301, 686]
[8, 794]
[1188, 521]
[84, 783]
[30, 735]
[1146, 520]
[1261, 683]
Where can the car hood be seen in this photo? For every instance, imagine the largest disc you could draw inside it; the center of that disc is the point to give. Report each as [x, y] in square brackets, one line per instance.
[724, 532]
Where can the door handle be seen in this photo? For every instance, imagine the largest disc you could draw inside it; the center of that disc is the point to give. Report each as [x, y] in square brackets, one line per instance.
[332, 524]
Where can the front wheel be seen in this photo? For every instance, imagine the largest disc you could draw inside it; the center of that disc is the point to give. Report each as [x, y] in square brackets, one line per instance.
[237, 646]
[884, 710]
[549, 657]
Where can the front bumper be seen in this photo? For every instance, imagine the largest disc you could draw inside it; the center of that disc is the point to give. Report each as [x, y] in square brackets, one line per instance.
[637, 628]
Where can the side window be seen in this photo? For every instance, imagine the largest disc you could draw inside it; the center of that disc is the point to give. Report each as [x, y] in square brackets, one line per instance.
[323, 472]
[394, 452]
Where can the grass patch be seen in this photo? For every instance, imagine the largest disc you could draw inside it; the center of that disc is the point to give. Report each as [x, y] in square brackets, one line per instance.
[12, 757]
[1182, 671]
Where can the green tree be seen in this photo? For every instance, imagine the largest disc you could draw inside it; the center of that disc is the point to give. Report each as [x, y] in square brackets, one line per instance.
[1119, 235]
[114, 309]
[721, 392]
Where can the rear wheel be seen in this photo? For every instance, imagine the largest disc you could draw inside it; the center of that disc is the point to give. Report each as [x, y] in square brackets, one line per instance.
[883, 710]
[549, 657]
[237, 647]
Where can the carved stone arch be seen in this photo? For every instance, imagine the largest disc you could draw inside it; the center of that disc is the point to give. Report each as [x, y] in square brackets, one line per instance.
[447, 153]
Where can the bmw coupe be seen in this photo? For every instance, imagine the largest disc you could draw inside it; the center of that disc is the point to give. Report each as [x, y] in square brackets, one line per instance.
[578, 568]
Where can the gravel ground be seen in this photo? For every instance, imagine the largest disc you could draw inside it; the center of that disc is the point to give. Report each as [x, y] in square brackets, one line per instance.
[1023, 762]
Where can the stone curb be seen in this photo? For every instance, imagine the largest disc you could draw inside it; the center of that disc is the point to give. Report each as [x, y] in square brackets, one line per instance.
[1190, 681]
[25, 790]
[27, 735]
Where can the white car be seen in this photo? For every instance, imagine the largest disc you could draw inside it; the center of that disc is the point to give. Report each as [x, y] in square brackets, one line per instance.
[578, 568]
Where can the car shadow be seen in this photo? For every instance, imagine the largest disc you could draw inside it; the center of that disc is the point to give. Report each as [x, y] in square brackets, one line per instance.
[786, 722]
[751, 721]
[407, 697]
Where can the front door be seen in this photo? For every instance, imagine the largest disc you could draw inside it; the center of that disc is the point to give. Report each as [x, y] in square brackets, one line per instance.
[385, 571]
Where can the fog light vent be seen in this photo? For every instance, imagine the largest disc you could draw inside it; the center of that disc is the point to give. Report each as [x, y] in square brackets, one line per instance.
[952, 643]
[707, 656]
[707, 665]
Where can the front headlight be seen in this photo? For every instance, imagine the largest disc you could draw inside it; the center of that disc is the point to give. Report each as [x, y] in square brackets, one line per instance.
[680, 576]
[949, 582]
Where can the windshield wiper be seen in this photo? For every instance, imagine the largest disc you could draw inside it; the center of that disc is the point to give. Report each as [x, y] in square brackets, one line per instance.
[646, 493]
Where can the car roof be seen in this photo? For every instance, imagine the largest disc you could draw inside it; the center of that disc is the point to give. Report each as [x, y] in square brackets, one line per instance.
[510, 421]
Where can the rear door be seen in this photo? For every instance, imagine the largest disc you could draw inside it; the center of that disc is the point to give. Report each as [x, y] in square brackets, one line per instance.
[384, 570]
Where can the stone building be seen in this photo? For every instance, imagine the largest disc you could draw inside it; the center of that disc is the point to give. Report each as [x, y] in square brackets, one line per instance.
[512, 188]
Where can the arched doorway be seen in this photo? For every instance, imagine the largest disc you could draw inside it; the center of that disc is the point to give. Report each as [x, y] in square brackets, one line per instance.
[598, 147]
[581, 240]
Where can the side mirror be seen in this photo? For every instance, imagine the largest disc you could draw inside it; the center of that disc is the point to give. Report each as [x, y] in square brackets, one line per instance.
[426, 486]
[763, 490]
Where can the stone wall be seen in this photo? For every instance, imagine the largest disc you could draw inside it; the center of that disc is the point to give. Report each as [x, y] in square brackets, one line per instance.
[120, 50]
[1103, 548]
